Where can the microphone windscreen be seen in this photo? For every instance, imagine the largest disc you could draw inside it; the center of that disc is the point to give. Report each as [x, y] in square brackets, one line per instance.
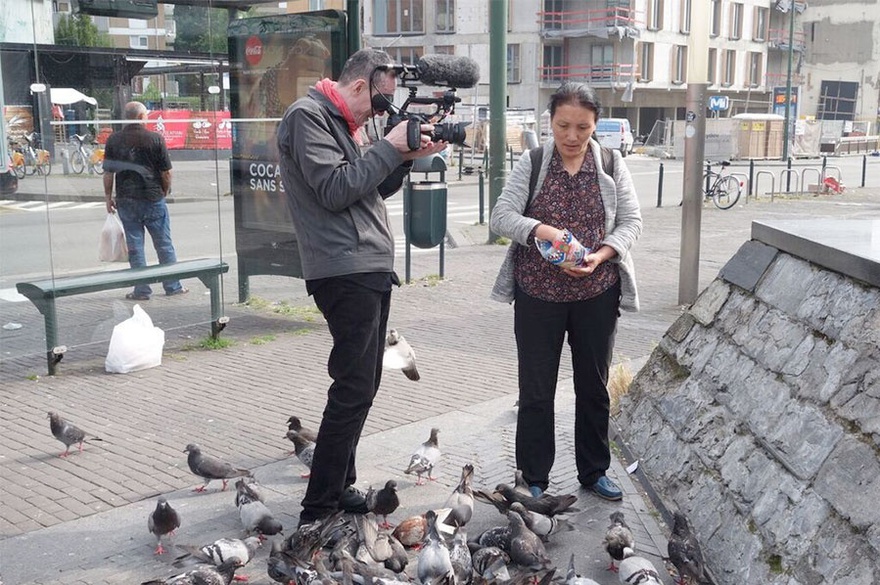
[448, 71]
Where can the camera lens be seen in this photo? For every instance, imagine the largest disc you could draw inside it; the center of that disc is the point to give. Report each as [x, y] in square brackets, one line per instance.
[449, 132]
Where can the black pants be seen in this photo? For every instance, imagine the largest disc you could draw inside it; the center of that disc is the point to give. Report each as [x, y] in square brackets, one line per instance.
[357, 317]
[540, 328]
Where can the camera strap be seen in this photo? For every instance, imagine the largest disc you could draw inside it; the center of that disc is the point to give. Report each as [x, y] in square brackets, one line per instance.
[537, 154]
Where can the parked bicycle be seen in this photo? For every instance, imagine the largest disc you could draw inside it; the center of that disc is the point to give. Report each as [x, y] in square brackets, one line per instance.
[85, 156]
[722, 188]
[29, 158]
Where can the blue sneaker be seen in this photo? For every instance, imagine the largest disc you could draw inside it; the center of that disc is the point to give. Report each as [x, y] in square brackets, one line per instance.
[536, 491]
[605, 488]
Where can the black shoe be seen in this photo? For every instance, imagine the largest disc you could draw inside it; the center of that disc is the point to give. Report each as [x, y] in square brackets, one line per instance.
[353, 501]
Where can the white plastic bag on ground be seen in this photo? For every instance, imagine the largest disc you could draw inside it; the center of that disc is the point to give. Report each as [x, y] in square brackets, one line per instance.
[112, 246]
[135, 344]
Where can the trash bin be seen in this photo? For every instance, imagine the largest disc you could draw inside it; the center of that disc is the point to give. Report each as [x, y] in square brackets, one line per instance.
[70, 116]
[426, 222]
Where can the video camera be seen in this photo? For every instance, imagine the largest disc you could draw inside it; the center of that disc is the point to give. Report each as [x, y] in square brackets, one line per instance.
[441, 70]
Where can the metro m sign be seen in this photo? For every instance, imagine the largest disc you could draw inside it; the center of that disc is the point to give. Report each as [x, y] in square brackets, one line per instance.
[718, 103]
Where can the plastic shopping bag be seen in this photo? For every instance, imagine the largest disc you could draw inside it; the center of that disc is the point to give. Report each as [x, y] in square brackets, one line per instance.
[112, 247]
[135, 344]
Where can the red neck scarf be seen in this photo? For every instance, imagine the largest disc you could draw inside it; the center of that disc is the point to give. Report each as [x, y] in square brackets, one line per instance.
[328, 88]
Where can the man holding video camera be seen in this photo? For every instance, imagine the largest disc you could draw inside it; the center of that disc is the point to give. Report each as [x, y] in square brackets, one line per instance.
[336, 195]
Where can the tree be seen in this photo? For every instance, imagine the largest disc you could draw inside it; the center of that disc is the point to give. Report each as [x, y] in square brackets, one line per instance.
[79, 31]
[200, 29]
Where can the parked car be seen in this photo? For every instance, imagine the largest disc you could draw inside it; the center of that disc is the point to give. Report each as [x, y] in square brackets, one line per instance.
[615, 133]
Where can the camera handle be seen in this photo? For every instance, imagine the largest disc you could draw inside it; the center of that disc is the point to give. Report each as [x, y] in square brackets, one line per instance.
[414, 133]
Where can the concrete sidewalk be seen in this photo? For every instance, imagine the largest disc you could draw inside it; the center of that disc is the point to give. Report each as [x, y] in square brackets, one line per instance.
[83, 519]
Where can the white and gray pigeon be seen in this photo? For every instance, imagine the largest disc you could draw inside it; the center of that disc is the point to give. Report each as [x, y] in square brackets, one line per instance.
[425, 457]
[684, 551]
[542, 525]
[161, 521]
[373, 546]
[490, 563]
[202, 575]
[526, 549]
[220, 551]
[461, 501]
[460, 555]
[211, 468]
[68, 433]
[399, 355]
[434, 562]
[572, 578]
[304, 449]
[255, 515]
[639, 570]
[619, 541]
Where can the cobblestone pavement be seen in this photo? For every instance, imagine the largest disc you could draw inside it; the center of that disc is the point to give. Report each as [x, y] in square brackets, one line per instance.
[83, 519]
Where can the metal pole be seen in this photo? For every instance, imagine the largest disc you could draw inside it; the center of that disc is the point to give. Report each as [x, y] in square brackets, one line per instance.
[788, 178]
[660, 187]
[785, 130]
[353, 9]
[460, 162]
[498, 10]
[482, 189]
[751, 176]
[864, 168]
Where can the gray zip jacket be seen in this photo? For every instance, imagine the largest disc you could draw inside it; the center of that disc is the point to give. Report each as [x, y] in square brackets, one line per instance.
[335, 193]
[623, 220]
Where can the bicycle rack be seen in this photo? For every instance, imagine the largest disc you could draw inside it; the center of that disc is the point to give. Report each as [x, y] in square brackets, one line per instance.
[792, 172]
[744, 182]
[804, 178]
[772, 184]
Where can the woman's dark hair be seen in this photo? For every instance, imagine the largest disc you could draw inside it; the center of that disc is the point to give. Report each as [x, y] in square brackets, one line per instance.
[579, 94]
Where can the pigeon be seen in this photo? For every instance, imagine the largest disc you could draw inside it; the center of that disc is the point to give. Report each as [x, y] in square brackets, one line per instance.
[161, 521]
[211, 468]
[434, 562]
[572, 578]
[684, 552]
[546, 504]
[68, 433]
[425, 458]
[519, 483]
[619, 541]
[460, 556]
[490, 563]
[399, 355]
[383, 501]
[526, 549]
[461, 501]
[398, 559]
[304, 449]
[284, 568]
[543, 526]
[255, 515]
[202, 575]
[308, 539]
[294, 424]
[639, 570]
[497, 537]
[373, 546]
[411, 531]
[220, 551]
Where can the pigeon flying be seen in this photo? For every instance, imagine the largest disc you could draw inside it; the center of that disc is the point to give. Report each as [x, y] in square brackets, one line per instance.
[619, 541]
[163, 520]
[68, 433]
[684, 551]
[425, 458]
[384, 501]
[211, 468]
[399, 355]
[294, 424]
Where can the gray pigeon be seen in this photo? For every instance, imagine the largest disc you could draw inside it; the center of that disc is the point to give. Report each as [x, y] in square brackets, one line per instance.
[619, 541]
[373, 546]
[398, 560]
[68, 433]
[496, 537]
[684, 551]
[519, 483]
[461, 501]
[384, 501]
[255, 515]
[572, 578]
[543, 526]
[211, 468]
[220, 551]
[294, 424]
[425, 458]
[304, 449]
[161, 521]
[399, 355]
[526, 549]
[490, 563]
[546, 504]
[434, 562]
[460, 556]
[639, 570]
[202, 575]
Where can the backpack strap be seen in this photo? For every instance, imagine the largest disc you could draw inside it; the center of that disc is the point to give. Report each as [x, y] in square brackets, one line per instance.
[536, 154]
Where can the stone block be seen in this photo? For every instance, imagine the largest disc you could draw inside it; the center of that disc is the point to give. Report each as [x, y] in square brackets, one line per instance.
[803, 439]
[838, 556]
[787, 524]
[728, 365]
[710, 302]
[850, 482]
[747, 266]
[680, 329]
[786, 283]
[734, 549]
[825, 367]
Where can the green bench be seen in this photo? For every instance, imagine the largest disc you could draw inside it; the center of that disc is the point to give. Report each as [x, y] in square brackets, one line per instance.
[42, 293]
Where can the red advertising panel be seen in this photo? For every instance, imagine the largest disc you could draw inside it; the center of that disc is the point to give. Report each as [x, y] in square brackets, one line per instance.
[192, 130]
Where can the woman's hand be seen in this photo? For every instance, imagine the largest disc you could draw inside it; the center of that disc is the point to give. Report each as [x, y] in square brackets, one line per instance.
[591, 262]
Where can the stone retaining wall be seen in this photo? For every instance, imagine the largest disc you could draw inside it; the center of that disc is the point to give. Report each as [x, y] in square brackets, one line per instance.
[758, 416]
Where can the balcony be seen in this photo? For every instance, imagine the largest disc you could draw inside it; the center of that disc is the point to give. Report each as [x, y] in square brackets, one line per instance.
[599, 22]
[613, 76]
[778, 39]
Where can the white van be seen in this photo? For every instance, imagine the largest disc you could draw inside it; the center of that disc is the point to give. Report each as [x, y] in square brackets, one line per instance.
[615, 133]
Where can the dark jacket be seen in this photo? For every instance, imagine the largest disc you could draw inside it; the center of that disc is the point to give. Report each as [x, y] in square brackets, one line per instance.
[336, 194]
[138, 157]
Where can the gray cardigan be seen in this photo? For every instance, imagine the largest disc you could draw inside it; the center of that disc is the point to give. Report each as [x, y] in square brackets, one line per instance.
[623, 220]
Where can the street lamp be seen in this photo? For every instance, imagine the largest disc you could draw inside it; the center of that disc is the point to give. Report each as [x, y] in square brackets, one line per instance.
[785, 130]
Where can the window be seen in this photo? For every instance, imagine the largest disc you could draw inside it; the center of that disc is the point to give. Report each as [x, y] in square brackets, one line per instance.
[762, 17]
[444, 49]
[602, 61]
[679, 64]
[736, 21]
[138, 42]
[837, 100]
[554, 63]
[646, 61]
[655, 14]
[712, 73]
[514, 73]
[553, 10]
[729, 73]
[685, 20]
[444, 16]
[756, 67]
[715, 18]
[405, 55]
[394, 17]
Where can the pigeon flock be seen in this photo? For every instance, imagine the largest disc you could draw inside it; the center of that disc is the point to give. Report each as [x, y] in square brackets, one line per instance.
[432, 548]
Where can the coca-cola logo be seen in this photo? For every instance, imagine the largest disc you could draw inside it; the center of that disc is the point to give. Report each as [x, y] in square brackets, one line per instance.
[253, 50]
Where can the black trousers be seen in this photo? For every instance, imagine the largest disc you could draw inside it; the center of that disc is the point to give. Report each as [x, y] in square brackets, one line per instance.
[357, 317]
[540, 328]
